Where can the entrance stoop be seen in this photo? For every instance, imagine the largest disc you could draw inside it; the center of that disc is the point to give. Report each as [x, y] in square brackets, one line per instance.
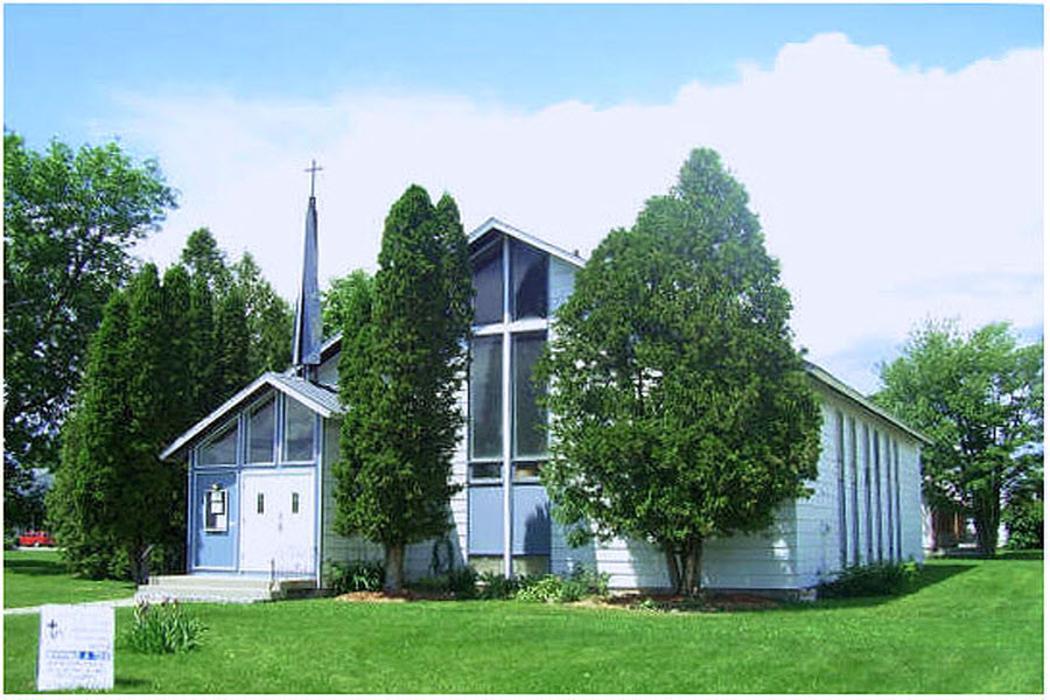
[222, 589]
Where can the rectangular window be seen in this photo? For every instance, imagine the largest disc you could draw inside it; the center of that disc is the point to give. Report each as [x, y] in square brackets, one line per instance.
[485, 470]
[878, 495]
[260, 433]
[528, 274]
[216, 518]
[298, 432]
[488, 284]
[855, 489]
[897, 493]
[527, 471]
[222, 448]
[260, 504]
[840, 468]
[868, 530]
[486, 399]
[891, 513]
[530, 419]
[295, 502]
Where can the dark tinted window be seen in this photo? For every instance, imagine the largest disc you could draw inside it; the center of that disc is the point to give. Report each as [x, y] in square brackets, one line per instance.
[530, 420]
[488, 284]
[486, 405]
[528, 272]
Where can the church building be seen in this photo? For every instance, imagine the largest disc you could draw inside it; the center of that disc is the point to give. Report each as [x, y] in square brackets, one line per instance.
[261, 504]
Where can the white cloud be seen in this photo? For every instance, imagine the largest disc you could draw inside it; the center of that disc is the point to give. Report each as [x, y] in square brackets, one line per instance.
[890, 194]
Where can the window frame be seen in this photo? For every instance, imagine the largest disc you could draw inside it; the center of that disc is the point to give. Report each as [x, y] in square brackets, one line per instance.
[285, 459]
[213, 437]
[248, 431]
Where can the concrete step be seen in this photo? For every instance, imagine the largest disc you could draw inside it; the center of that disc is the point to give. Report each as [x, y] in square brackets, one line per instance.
[156, 594]
[224, 589]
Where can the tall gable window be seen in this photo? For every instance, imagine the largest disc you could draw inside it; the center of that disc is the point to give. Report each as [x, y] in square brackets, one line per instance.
[528, 272]
[298, 432]
[530, 420]
[222, 447]
[261, 424]
[486, 401]
[488, 284]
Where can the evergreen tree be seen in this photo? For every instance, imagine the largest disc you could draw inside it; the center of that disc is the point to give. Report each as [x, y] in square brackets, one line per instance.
[232, 344]
[83, 505]
[203, 258]
[204, 393]
[402, 361]
[269, 319]
[679, 409]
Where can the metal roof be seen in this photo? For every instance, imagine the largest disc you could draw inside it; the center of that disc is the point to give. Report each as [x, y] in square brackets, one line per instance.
[316, 398]
[494, 223]
[840, 387]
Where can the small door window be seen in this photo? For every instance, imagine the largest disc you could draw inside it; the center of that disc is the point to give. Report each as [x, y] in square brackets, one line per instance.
[260, 504]
[295, 502]
[215, 505]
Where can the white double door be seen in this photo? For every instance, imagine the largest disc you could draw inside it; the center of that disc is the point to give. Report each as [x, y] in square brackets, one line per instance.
[277, 522]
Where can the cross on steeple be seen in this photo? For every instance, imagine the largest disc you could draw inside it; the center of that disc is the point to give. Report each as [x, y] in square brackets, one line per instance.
[313, 170]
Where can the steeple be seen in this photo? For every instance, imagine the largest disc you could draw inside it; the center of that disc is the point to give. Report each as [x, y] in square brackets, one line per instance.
[306, 335]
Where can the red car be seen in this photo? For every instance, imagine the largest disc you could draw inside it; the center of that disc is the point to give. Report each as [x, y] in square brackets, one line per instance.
[35, 538]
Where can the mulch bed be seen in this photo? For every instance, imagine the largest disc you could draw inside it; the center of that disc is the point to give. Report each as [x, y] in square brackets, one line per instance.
[380, 597]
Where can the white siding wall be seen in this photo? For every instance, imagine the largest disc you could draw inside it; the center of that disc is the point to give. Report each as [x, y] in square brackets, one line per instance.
[818, 517]
[418, 557]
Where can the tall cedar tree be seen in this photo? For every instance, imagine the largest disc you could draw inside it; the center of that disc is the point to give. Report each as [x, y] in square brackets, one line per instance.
[232, 344]
[680, 410]
[81, 505]
[269, 319]
[69, 219]
[979, 397]
[200, 319]
[404, 357]
[204, 259]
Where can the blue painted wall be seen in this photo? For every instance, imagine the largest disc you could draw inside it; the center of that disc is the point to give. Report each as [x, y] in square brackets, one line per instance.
[531, 533]
[485, 515]
[215, 549]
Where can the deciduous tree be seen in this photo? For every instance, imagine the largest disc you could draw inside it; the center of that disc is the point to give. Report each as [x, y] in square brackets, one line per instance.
[979, 397]
[679, 409]
[69, 218]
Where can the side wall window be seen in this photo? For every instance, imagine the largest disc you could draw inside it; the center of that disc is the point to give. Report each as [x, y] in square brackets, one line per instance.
[298, 432]
[222, 448]
[261, 425]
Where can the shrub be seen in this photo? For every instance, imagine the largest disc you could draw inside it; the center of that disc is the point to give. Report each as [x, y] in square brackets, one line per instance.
[355, 576]
[459, 583]
[886, 578]
[594, 582]
[1024, 523]
[164, 628]
[555, 589]
[497, 586]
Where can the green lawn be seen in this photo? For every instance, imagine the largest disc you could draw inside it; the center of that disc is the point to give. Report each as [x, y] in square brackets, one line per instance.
[36, 577]
[974, 627]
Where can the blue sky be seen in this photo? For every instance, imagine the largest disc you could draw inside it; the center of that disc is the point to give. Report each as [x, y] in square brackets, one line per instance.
[62, 62]
[893, 153]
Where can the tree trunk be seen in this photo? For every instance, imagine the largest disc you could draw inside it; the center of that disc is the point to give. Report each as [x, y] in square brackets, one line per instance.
[394, 568]
[693, 551]
[986, 522]
[674, 574]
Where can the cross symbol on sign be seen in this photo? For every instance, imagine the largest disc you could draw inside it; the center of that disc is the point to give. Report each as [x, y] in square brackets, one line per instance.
[52, 626]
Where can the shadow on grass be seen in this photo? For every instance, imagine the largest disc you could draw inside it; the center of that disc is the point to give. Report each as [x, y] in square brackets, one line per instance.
[1022, 555]
[928, 576]
[36, 567]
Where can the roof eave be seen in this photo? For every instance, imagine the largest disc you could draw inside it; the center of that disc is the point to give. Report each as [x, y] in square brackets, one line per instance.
[514, 232]
[837, 385]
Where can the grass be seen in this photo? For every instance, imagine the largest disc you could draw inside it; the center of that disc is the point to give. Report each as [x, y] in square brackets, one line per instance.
[972, 627]
[34, 577]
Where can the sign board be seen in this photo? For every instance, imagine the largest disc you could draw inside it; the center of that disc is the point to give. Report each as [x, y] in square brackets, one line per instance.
[76, 647]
